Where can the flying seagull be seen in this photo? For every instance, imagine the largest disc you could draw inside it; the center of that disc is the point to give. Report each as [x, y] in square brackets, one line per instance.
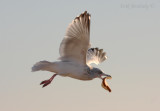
[76, 55]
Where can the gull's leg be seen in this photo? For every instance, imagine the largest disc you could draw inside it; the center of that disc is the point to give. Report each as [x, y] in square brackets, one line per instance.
[46, 82]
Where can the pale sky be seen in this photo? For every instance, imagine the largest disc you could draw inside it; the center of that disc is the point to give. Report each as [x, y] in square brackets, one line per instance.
[128, 30]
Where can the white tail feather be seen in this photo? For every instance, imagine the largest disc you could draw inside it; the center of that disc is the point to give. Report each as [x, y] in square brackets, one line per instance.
[42, 65]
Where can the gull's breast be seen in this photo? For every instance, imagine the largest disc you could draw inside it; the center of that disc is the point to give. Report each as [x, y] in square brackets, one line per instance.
[73, 70]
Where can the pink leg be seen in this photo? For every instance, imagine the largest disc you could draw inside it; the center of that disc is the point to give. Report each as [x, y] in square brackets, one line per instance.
[46, 82]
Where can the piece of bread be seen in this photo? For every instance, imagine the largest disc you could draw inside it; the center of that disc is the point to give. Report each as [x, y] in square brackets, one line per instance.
[105, 84]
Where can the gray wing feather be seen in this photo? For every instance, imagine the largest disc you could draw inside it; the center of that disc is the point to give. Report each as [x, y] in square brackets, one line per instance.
[75, 44]
[95, 55]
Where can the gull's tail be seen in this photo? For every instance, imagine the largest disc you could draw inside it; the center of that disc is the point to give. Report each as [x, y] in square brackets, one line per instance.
[43, 65]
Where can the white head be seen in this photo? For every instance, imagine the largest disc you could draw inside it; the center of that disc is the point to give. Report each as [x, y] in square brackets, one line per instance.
[97, 73]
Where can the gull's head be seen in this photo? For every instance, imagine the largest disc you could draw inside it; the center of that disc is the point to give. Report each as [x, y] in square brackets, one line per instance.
[97, 73]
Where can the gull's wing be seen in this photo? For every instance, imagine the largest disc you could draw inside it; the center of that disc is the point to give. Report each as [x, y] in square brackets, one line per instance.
[95, 55]
[75, 44]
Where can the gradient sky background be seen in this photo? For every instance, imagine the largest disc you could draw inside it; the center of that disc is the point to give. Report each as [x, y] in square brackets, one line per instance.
[128, 30]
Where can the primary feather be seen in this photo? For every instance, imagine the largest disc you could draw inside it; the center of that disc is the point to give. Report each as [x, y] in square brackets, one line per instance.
[95, 55]
[75, 44]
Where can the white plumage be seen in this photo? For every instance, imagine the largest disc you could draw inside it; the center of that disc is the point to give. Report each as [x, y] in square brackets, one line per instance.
[75, 54]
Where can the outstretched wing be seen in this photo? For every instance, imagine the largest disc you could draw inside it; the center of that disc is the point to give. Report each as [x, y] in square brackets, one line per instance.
[75, 44]
[95, 55]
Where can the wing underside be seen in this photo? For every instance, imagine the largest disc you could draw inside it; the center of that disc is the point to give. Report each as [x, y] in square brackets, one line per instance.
[75, 44]
[95, 55]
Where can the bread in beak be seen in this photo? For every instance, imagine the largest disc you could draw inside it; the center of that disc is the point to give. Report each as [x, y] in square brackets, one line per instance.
[105, 84]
